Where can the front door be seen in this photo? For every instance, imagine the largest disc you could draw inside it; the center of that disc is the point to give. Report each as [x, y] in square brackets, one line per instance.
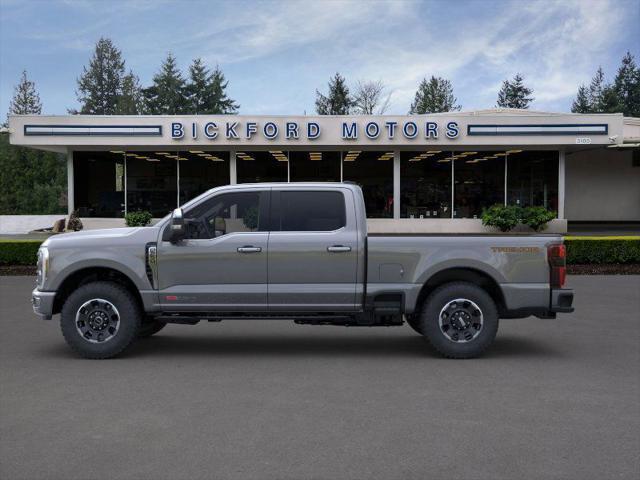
[221, 265]
[313, 251]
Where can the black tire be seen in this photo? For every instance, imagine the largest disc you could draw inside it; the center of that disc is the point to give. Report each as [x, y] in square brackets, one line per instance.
[100, 298]
[469, 325]
[414, 322]
[150, 326]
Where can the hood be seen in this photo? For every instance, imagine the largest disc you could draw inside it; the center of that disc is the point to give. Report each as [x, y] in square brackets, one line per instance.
[108, 236]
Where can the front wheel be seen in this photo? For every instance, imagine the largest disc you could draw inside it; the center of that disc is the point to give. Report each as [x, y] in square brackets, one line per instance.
[460, 320]
[150, 326]
[100, 320]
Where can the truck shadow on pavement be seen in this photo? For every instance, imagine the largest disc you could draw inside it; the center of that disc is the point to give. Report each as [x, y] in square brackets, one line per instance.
[323, 346]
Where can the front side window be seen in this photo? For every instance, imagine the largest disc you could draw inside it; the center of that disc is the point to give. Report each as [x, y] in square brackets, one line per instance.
[320, 211]
[224, 214]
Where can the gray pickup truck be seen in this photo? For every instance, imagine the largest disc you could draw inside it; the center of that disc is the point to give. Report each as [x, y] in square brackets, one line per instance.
[298, 251]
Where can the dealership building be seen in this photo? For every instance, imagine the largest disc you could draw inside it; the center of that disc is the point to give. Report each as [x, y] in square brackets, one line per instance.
[427, 173]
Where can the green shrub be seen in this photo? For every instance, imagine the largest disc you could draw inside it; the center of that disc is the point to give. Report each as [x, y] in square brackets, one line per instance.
[499, 216]
[508, 217]
[602, 250]
[19, 252]
[536, 217]
[138, 219]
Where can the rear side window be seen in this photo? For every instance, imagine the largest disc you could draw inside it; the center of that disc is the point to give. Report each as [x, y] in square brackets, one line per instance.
[319, 211]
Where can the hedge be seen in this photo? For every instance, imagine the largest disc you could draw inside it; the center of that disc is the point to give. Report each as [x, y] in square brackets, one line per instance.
[19, 252]
[602, 250]
[580, 250]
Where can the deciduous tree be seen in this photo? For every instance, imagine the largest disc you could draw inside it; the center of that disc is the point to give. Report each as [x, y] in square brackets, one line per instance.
[371, 98]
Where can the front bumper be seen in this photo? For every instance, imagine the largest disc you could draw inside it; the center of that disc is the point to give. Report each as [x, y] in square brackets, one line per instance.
[562, 300]
[42, 303]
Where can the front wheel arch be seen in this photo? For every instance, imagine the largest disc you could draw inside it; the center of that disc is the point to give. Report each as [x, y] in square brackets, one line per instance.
[93, 274]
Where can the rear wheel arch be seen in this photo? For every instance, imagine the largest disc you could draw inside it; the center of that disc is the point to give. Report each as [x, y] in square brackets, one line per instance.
[461, 274]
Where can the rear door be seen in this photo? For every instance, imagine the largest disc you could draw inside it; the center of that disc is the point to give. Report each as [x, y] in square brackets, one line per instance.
[313, 250]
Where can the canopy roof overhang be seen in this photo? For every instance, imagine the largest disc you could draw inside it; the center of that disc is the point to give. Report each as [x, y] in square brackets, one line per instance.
[478, 129]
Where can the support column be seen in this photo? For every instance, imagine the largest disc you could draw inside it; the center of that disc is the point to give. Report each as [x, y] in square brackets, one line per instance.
[233, 172]
[396, 184]
[178, 182]
[70, 183]
[506, 169]
[126, 192]
[561, 177]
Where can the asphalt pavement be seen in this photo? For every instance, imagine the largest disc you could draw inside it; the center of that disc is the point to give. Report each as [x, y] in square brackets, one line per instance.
[273, 400]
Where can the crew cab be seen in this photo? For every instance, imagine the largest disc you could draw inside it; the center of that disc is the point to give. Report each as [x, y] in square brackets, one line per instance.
[298, 251]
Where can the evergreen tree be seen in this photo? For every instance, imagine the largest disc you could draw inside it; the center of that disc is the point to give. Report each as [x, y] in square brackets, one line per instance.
[206, 91]
[25, 99]
[338, 101]
[219, 102]
[130, 101]
[100, 85]
[31, 181]
[196, 89]
[596, 91]
[581, 104]
[627, 86]
[167, 95]
[433, 96]
[514, 94]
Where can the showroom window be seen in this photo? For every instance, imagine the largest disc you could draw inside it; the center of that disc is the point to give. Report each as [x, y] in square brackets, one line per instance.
[478, 182]
[99, 184]
[532, 178]
[200, 171]
[152, 182]
[317, 166]
[373, 171]
[262, 166]
[425, 184]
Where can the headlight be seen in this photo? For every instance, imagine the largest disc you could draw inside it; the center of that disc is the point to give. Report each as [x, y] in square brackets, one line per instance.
[43, 266]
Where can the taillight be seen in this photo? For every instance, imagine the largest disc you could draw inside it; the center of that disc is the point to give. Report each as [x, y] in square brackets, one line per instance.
[557, 255]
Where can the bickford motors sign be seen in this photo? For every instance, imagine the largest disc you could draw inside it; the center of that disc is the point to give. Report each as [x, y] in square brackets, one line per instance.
[310, 130]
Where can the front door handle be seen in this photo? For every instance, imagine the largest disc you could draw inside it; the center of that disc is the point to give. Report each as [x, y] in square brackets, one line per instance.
[249, 249]
[338, 248]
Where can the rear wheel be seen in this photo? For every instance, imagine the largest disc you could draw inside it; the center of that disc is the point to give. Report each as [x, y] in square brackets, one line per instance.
[100, 320]
[414, 322]
[460, 320]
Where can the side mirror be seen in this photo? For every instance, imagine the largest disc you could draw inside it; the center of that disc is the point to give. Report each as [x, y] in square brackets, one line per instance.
[177, 227]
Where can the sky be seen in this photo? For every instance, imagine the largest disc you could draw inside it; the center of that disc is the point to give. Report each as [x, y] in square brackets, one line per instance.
[275, 54]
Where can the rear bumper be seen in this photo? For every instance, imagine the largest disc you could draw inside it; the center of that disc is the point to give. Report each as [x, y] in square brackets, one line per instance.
[42, 303]
[561, 300]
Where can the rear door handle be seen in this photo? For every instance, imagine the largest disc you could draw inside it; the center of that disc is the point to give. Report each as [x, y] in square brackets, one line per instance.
[338, 248]
[249, 249]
